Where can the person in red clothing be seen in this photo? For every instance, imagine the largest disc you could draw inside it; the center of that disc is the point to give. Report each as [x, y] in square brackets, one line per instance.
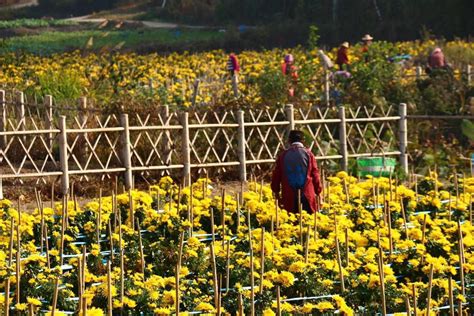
[436, 59]
[290, 72]
[342, 59]
[296, 171]
[233, 64]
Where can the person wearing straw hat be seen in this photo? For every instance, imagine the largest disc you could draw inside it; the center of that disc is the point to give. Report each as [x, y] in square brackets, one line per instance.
[342, 59]
[366, 42]
[296, 171]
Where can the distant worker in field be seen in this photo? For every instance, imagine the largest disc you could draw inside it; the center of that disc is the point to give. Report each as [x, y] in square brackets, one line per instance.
[290, 72]
[366, 42]
[296, 172]
[342, 58]
[233, 66]
[436, 59]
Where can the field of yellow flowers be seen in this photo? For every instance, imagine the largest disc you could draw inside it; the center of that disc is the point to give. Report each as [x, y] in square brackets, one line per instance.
[169, 79]
[376, 246]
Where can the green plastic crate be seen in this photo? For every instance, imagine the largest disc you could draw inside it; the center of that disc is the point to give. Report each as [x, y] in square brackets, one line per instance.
[376, 166]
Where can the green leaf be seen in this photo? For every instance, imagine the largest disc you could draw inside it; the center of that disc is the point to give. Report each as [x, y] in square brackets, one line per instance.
[467, 128]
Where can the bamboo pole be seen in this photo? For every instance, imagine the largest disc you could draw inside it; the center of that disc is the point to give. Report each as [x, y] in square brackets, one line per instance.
[470, 209]
[122, 264]
[109, 290]
[347, 246]
[389, 222]
[461, 259]
[52, 195]
[277, 214]
[111, 241]
[407, 305]
[191, 210]
[98, 224]
[252, 280]
[214, 275]
[10, 261]
[79, 286]
[31, 310]
[315, 224]
[338, 252]
[430, 287]
[227, 267]
[18, 254]
[450, 293]
[346, 191]
[237, 213]
[278, 301]
[83, 285]
[223, 216]
[140, 245]
[423, 236]
[63, 228]
[55, 296]
[46, 242]
[131, 209]
[415, 307]
[212, 225]
[405, 221]
[300, 212]
[177, 289]
[306, 244]
[240, 305]
[381, 276]
[262, 259]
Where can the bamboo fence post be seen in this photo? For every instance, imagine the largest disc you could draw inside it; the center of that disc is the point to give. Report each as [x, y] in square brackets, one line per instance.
[10, 260]
[3, 119]
[20, 114]
[186, 149]
[125, 154]
[381, 276]
[109, 290]
[195, 91]
[403, 137]
[430, 287]
[235, 85]
[290, 116]
[450, 293]
[48, 104]
[241, 146]
[84, 139]
[63, 158]
[343, 139]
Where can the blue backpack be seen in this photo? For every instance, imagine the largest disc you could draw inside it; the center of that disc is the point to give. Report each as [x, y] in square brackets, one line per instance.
[295, 171]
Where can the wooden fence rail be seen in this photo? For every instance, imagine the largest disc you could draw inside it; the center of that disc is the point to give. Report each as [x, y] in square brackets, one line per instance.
[130, 144]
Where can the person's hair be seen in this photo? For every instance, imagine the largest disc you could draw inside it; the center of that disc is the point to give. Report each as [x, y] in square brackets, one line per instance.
[295, 136]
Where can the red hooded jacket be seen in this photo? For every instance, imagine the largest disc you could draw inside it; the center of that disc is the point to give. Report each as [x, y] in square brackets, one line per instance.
[312, 186]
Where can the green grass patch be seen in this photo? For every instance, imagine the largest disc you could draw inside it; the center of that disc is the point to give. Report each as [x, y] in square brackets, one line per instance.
[56, 42]
[34, 23]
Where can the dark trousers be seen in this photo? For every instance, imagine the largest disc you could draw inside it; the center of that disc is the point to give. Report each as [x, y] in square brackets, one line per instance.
[304, 203]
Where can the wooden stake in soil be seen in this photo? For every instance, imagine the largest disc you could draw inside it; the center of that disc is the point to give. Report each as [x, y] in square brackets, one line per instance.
[131, 209]
[227, 267]
[423, 235]
[111, 240]
[240, 305]
[461, 259]
[402, 207]
[63, 228]
[430, 287]
[347, 246]
[213, 233]
[389, 222]
[277, 214]
[407, 305]
[98, 224]
[237, 213]
[223, 216]
[177, 289]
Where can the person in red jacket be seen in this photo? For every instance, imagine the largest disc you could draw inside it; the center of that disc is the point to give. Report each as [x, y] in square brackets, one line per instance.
[290, 72]
[296, 171]
[342, 58]
[233, 65]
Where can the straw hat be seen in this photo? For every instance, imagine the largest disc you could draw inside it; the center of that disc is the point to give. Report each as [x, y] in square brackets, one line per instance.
[367, 37]
[345, 44]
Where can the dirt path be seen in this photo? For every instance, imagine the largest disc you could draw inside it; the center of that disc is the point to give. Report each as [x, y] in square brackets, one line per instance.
[21, 5]
[148, 24]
